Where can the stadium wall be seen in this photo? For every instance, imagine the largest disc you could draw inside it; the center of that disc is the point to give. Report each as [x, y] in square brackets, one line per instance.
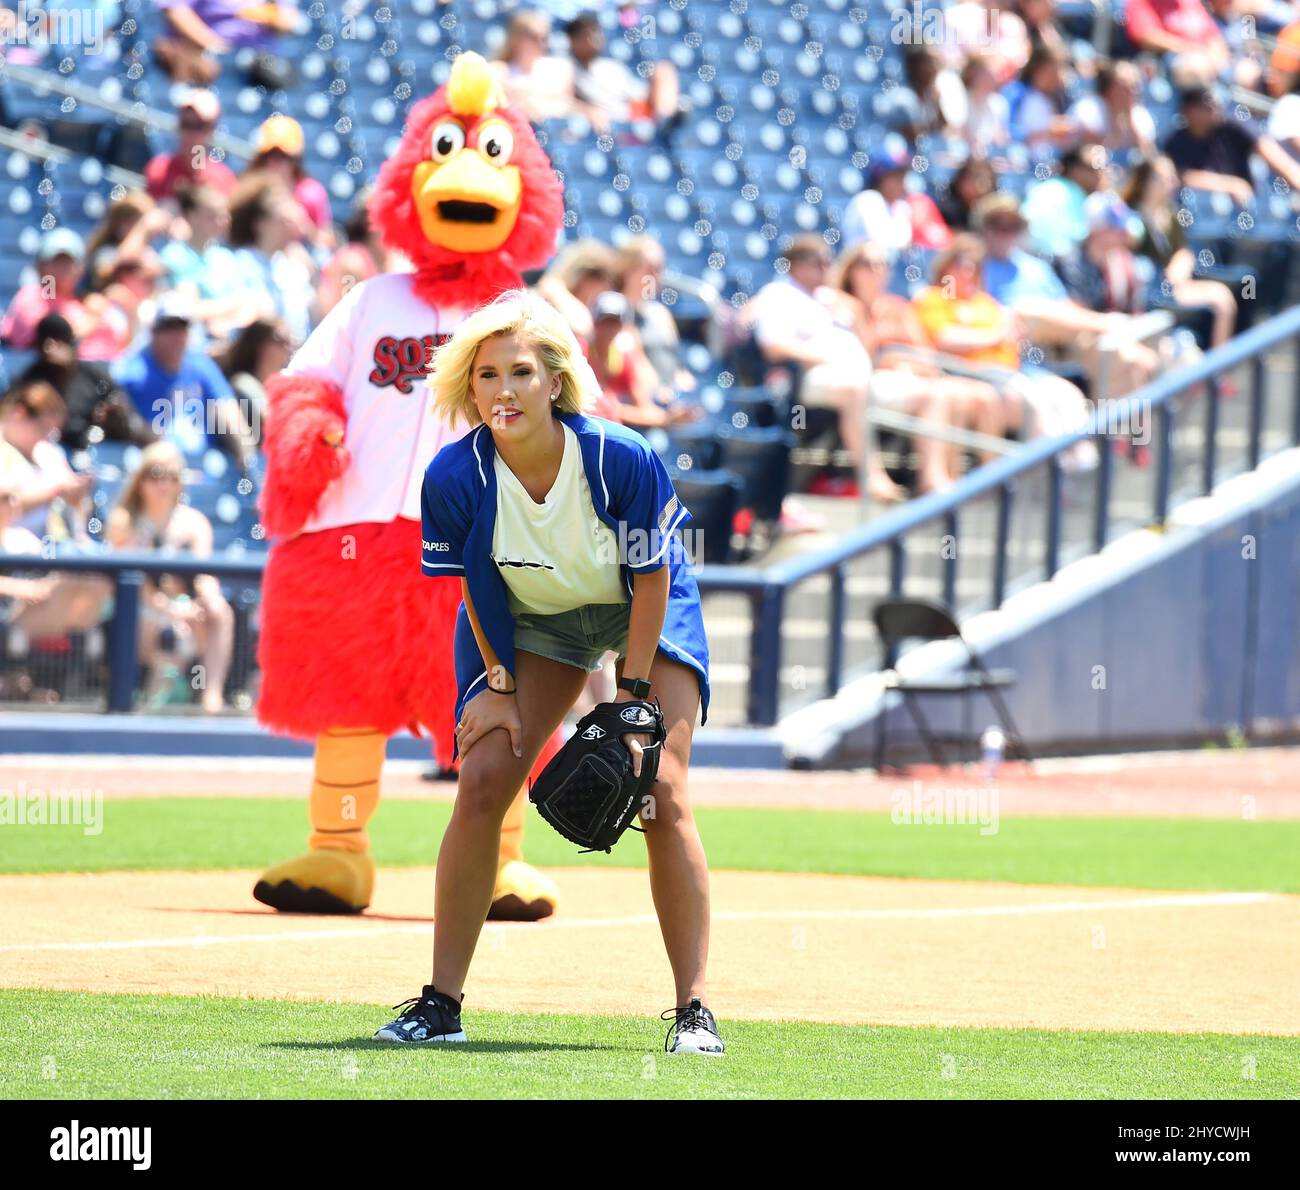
[1166, 639]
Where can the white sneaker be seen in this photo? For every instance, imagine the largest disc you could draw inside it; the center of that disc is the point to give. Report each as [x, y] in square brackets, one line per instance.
[693, 1031]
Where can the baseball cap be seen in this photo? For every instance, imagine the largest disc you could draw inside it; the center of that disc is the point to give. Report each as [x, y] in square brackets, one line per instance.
[888, 163]
[62, 241]
[610, 304]
[170, 310]
[1105, 211]
[1197, 96]
[993, 206]
[54, 326]
[202, 102]
[280, 132]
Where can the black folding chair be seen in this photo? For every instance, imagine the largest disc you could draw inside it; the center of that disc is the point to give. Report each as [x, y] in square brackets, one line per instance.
[899, 620]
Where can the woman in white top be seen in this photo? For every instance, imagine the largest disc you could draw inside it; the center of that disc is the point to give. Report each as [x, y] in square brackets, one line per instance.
[179, 618]
[528, 500]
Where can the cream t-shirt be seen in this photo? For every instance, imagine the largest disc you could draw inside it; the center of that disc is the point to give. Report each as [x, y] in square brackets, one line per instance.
[557, 555]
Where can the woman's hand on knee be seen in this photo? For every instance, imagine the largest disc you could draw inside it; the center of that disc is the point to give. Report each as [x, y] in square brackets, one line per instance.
[486, 712]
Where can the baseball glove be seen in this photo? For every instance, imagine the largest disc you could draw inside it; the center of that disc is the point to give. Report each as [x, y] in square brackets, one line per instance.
[588, 792]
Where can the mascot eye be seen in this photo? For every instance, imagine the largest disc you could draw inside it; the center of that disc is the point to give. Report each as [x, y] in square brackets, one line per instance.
[496, 143]
[448, 139]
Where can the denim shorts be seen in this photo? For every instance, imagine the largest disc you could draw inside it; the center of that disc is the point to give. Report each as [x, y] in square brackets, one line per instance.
[580, 637]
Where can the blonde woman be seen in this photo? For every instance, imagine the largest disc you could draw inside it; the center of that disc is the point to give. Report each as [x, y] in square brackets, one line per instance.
[562, 528]
[179, 618]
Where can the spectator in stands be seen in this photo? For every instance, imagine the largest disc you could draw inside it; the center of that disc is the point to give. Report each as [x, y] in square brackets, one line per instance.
[538, 83]
[127, 292]
[933, 99]
[202, 269]
[1184, 32]
[60, 266]
[197, 113]
[973, 180]
[1041, 27]
[361, 257]
[796, 320]
[280, 144]
[1151, 192]
[1038, 116]
[179, 618]
[126, 230]
[1054, 208]
[1114, 116]
[1029, 286]
[31, 417]
[994, 26]
[605, 90]
[181, 393]
[1214, 153]
[639, 269]
[41, 605]
[988, 114]
[92, 399]
[1284, 119]
[581, 271]
[911, 379]
[891, 215]
[1103, 273]
[260, 350]
[1240, 23]
[201, 32]
[625, 375]
[266, 230]
[963, 319]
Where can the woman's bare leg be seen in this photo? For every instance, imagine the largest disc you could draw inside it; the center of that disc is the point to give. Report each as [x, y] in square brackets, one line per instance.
[216, 643]
[490, 776]
[679, 871]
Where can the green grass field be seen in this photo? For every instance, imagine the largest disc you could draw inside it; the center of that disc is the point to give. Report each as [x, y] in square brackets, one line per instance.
[1158, 853]
[68, 1045]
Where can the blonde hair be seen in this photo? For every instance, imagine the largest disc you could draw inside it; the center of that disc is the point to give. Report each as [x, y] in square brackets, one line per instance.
[157, 454]
[533, 319]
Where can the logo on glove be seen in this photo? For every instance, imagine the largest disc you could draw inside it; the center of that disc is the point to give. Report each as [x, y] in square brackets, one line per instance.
[594, 733]
[637, 717]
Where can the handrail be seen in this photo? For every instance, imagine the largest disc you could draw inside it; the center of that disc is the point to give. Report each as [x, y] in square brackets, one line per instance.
[767, 587]
[136, 111]
[43, 150]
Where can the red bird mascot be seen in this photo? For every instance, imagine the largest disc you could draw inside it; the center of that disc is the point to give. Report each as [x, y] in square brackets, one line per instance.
[356, 643]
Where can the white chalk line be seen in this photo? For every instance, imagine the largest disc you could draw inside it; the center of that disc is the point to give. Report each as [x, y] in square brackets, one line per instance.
[199, 941]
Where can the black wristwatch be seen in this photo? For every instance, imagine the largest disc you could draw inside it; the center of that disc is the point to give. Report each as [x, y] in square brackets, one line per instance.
[637, 687]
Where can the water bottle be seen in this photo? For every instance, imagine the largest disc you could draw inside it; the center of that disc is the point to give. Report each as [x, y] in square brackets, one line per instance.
[992, 744]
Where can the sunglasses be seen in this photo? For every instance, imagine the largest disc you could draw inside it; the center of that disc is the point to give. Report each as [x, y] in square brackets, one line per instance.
[164, 473]
[196, 123]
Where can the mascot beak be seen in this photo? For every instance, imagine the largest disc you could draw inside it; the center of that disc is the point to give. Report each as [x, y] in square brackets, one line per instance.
[465, 203]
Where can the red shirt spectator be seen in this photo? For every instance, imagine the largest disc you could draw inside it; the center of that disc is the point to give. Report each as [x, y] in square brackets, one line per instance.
[60, 266]
[1185, 19]
[192, 162]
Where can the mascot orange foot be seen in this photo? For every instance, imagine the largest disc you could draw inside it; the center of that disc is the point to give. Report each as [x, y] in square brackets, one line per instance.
[337, 875]
[355, 642]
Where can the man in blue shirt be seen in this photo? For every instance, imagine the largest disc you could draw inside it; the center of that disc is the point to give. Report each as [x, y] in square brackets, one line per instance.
[1029, 285]
[180, 393]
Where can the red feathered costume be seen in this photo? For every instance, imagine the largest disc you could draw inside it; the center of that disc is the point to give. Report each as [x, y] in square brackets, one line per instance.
[355, 642]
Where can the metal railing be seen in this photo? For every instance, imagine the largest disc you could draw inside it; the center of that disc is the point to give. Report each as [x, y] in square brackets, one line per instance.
[768, 589]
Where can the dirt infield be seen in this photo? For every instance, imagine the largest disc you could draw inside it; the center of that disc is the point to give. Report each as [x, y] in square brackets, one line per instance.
[826, 948]
[1261, 783]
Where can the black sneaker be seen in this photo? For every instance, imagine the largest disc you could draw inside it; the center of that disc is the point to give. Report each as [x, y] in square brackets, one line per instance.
[431, 1016]
[693, 1031]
